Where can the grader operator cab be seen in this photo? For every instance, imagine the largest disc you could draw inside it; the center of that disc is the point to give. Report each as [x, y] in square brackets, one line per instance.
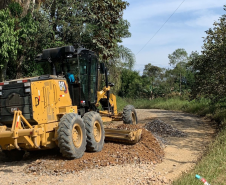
[60, 109]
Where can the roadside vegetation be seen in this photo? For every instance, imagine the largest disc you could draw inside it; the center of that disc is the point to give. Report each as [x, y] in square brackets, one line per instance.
[27, 29]
[200, 107]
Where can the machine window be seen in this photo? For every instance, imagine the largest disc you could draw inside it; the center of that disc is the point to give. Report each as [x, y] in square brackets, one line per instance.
[83, 78]
[46, 68]
[93, 79]
[71, 70]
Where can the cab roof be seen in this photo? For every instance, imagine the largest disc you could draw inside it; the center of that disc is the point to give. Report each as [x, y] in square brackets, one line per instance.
[55, 54]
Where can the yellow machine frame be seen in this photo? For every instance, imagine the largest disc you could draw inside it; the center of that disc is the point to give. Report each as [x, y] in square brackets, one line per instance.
[50, 101]
[106, 116]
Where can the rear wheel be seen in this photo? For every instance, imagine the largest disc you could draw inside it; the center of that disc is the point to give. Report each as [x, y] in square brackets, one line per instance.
[94, 131]
[14, 155]
[129, 115]
[72, 136]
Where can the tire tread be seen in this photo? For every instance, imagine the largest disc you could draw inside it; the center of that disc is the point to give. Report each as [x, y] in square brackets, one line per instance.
[64, 132]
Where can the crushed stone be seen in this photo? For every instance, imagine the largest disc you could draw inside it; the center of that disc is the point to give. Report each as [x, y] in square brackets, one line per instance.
[160, 128]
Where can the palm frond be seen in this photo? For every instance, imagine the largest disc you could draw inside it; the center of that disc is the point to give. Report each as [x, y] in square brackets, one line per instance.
[126, 56]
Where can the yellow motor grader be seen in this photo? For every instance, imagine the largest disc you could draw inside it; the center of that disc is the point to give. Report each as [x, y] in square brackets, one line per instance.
[61, 108]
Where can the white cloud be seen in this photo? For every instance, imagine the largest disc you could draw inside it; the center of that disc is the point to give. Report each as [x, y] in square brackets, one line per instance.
[158, 56]
[166, 37]
[149, 9]
[184, 30]
[204, 21]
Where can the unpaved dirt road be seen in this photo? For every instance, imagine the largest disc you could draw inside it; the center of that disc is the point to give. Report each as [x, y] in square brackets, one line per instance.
[181, 154]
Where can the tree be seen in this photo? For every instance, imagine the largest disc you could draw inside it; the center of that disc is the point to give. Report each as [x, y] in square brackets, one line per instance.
[109, 27]
[125, 57]
[16, 38]
[152, 72]
[25, 4]
[131, 86]
[210, 66]
[96, 25]
[4, 3]
[178, 56]
[178, 59]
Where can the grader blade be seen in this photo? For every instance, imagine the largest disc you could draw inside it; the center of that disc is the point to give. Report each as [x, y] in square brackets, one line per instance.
[123, 136]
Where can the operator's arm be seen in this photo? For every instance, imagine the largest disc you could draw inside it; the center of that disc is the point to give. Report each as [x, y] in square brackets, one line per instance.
[71, 78]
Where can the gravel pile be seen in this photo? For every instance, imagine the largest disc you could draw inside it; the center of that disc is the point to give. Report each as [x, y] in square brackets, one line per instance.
[158, 127]
[147, 151]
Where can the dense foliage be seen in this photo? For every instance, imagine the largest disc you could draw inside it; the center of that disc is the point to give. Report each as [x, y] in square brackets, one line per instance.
[96, 25]
[210, 66]
[17, 37]
[159, 82]
[27, 29]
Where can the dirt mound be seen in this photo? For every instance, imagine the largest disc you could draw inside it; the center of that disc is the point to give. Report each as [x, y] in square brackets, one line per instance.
[146, 151]
[160, 128]
[130, 127]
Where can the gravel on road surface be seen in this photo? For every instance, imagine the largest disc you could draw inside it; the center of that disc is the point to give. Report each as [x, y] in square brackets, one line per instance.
[146, 151]
[158, 158]
[158, 127]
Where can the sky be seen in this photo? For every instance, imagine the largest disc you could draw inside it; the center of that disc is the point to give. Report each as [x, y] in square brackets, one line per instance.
[185, 29]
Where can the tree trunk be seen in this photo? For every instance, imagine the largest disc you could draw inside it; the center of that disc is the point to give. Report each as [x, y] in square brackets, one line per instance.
[4, 3]
[24, 3]
[19, 73]
[3, 73]
[180, 83]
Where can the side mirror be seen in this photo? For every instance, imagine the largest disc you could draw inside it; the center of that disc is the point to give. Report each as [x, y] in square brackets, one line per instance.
[102, 68]
[38, 58]
[111, 84]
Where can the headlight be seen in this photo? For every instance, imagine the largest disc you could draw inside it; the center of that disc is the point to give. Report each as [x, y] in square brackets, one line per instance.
[0, 93]
[0, 87]
[27, 84]
[27, 90]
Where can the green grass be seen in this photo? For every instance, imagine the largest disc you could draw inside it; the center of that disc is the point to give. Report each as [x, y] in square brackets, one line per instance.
[212, 166]
[199, 107]
[159, 103]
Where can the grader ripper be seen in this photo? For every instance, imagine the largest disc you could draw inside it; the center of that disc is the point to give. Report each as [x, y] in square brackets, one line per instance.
[61, 109]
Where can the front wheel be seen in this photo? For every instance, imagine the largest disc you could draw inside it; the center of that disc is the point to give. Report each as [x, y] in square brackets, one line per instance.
[94, 131]
[129, 115]
[72, 136]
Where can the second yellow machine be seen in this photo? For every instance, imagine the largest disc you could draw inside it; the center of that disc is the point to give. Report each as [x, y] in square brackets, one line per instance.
[60, 109]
